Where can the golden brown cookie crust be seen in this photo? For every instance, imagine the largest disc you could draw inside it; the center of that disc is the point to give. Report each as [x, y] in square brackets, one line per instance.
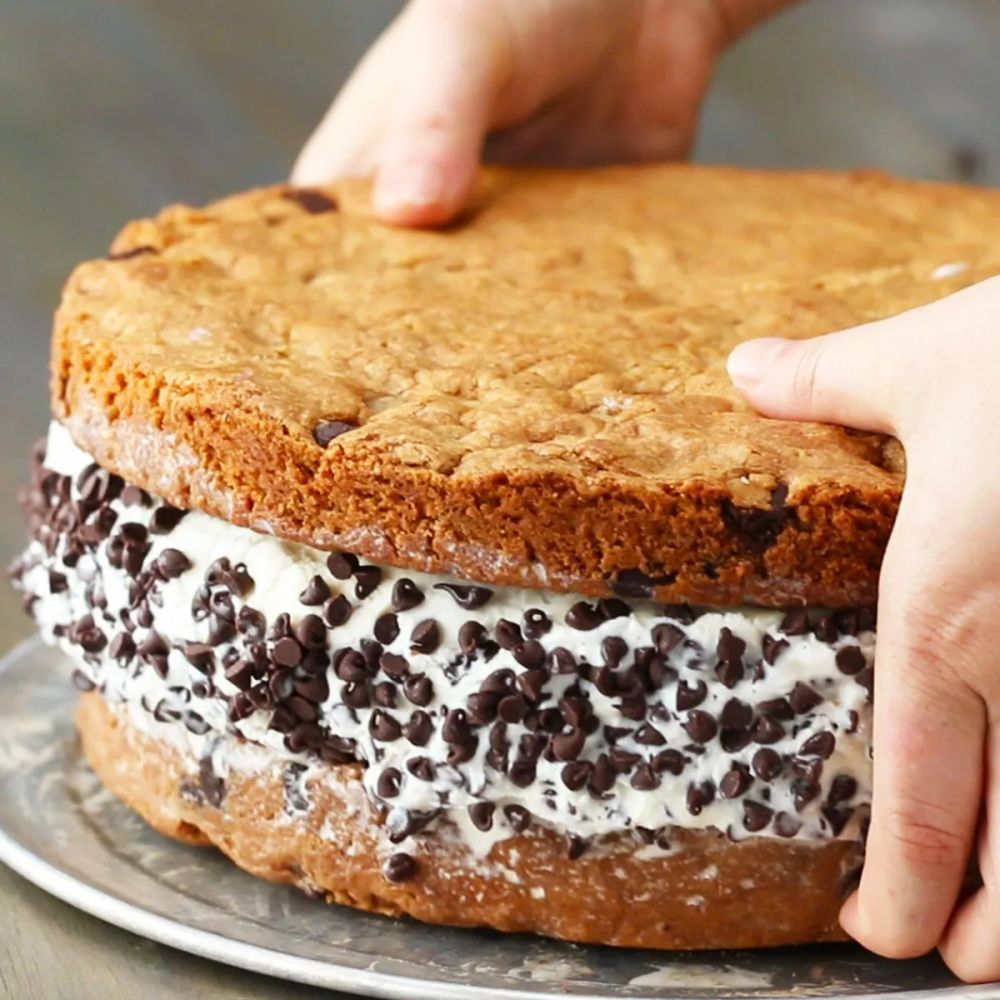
[708, 893]
[539, 393]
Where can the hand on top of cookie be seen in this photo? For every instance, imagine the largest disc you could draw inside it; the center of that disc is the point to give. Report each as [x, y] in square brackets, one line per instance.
[588, 81]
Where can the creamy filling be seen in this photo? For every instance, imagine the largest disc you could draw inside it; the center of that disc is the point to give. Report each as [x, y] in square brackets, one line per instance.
[491, 707]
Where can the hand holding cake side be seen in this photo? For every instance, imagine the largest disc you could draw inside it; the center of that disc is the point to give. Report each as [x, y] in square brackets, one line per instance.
[568, 82]
[929, 377]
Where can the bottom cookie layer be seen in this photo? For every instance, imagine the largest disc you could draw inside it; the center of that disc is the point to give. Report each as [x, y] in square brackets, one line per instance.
[700, 891]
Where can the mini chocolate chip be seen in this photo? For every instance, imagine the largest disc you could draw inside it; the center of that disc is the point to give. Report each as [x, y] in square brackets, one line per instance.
[809, 768]
[200, 655]
[466, 596]
[531, 683]
[820, 745]
[843, 788]
[756, 816]
[729, 672]
[337, 611]
[314, 689]
[405, 595]
[316, 592]
[690, 696]
[518, 817]
[481, 815]
[507, 634]
[418, 729]
[606, 681]
[326, 430]
[522, 773]
[384, 727]
[400, 867]
[287, 652]
[349, 665]
[576, 709]
[122, 648]
[421, 768]
[660, 673]
[343, 565]
[837, 818]
[734, 740]
[529, 654]
[251, 623]
[386, 628]
[866, 679]
[665, 637]
[804, 698]
[470, 635]
[671, 761]
[795, 622]
[393, 665]
[766, 730]
[803, 792]
[366, 579]
[512, 709]
[388, 783]
[611, 607]
[576, 774]
[700, 726]
[171, 563]
[82, 682]
[729, 647]
[736, 714]
[499, 682]
[776, 708]
[850, 660]
[568, 746]
[613, 650]
[313, 201]
[576, 847]
[482, 707]
[584, 617]
[602, 779]
[786, 825]
[536, 623]
[649, 736]
[426, 636]
[165, 518]
[561, 661]
[700, 795]
[311, 632]
[355, 695]
[735, 782]
[772, 648]
[826, 629]
[644, 778]
[384, 694]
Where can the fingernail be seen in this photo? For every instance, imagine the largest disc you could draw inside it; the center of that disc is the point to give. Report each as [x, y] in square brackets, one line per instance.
[751, 362]
[410, 184]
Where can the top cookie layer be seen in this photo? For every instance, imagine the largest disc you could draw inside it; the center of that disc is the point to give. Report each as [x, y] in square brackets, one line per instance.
[535, 397]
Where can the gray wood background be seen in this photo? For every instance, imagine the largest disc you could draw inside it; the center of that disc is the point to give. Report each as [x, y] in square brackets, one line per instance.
[109, 109]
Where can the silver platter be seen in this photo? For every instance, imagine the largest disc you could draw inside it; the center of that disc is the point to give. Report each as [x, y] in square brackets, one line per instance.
[62, 831]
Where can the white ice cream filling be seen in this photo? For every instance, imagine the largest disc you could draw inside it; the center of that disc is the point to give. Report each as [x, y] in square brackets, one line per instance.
[821, 793]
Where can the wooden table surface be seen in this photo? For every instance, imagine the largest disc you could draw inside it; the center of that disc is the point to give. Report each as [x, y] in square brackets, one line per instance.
[109, 109]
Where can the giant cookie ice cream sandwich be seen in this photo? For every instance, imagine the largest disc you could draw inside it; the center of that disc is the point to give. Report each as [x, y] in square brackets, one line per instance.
[444, 573]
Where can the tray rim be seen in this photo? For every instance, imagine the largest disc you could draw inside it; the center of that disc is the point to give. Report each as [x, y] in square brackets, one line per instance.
[103, 905]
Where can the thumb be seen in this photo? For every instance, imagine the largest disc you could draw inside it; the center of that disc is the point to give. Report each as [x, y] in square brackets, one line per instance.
[442, 111]
[838, 379]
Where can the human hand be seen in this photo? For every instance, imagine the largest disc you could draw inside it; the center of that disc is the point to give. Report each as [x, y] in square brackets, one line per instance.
[931, 377]
[550, 81]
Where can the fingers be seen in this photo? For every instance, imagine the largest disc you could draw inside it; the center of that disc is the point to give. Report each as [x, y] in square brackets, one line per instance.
[971, 944]
[433, 112]
[837, 379]
[928, 737]
[879, 376]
